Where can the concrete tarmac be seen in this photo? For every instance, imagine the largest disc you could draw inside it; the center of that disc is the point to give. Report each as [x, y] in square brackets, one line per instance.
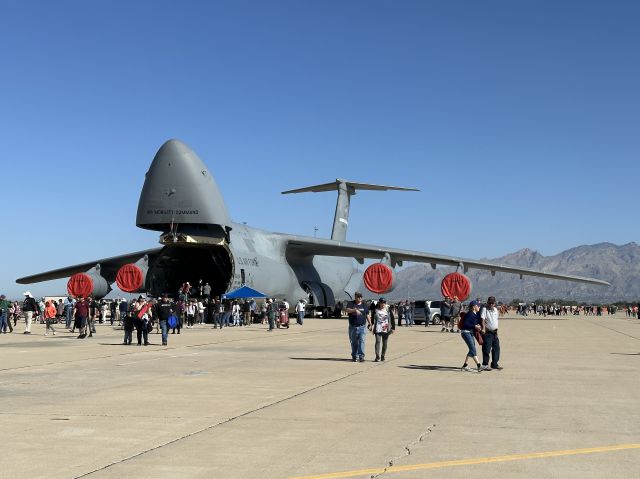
[247, 403]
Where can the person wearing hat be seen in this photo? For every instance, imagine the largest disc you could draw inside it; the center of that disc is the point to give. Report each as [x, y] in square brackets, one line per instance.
[29, 308]
[383, 325]
[491, 344]
[4, 311]
[470, 324]
[358, 319]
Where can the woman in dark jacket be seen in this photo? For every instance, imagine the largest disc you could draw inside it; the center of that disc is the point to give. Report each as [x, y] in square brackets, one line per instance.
[470, 324]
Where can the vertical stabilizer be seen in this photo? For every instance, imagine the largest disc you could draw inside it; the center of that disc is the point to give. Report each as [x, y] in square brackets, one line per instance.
[346, 189]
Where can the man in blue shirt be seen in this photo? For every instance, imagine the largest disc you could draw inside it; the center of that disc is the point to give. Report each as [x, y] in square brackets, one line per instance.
[359, 320]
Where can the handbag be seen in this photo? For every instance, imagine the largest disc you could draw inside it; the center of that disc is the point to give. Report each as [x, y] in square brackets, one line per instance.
[479, 338]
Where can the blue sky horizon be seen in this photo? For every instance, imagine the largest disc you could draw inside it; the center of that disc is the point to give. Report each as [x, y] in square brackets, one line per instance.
[518, 122]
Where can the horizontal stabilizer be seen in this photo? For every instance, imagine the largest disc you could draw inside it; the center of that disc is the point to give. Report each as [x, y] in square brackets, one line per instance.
[346, 189]
[352, 185]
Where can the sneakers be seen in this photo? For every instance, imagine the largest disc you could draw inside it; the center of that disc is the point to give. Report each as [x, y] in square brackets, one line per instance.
[442, 330]
[499, 368]
[354, 360]
[485, 367]
[382, 358]
[466, 368]
[362, 359]
[376, 360]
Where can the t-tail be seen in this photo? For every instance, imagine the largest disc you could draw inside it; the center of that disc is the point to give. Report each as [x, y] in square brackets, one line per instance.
[346, 189]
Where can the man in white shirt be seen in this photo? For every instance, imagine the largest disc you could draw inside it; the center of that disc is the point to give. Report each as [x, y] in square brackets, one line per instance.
[300, 309]
[491, 345]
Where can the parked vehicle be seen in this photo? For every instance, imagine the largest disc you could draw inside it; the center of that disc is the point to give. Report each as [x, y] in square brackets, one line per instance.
[434, 309]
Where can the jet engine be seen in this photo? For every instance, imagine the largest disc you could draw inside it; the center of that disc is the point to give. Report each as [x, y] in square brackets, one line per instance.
[90, 283]
[131, 277]
[379, 278]
[456, 284]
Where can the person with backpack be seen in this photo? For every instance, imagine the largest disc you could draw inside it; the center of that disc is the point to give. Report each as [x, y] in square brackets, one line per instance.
[470, 324]
[30, 309]
[179, 313]
[163, 311]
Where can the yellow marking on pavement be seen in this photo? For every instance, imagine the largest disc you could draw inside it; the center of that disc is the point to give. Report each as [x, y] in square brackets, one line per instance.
[469, 462]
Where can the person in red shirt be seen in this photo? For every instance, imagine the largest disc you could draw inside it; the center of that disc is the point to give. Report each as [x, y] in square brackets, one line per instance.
[49, 317]
[81, 312]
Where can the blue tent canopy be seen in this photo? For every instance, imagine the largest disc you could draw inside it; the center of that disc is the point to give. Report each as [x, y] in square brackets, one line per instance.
[243, 292]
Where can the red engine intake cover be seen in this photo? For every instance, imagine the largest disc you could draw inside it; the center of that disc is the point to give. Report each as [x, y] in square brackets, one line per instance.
[456, 284]
[80, 284]
[130, 278]
[379, 278]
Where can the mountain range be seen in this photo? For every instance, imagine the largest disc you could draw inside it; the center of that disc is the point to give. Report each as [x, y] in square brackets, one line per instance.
[619, 265]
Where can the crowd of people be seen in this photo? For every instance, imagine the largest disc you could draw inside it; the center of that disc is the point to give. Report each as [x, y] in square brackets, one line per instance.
[477, 323]
[145, 314]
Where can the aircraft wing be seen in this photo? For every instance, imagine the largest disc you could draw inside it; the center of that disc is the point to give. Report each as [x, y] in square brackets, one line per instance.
[108, 267]
[305, 246]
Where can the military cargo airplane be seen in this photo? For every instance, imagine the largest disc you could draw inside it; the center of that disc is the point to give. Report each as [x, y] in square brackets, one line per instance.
[181, 200]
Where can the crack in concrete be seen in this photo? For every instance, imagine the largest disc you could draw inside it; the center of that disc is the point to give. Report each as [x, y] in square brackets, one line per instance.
[406, 452]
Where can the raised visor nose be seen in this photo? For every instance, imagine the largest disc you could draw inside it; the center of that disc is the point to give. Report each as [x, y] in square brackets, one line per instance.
[179, 189]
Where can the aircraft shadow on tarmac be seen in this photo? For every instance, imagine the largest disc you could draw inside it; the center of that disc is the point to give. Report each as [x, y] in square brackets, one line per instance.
[323, 359]
[431, 368]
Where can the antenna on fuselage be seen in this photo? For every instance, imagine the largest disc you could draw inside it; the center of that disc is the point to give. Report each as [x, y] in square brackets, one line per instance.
[346, 189]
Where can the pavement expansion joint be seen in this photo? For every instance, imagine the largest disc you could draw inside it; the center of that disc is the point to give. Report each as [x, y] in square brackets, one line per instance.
[406, 452]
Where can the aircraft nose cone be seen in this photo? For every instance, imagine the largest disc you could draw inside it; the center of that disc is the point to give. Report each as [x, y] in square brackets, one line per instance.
[179, 189]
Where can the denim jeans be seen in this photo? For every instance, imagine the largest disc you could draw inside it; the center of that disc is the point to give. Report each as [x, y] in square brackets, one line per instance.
[165, 331]
[470, 341]
[300, 317]
[491, 346]
[3, 322]
[357, 335]
[409, 319]
[68, 317]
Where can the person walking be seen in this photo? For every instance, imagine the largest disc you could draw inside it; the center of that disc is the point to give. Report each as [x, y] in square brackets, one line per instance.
[141, 320]
[359, 319]
[81, 315]
[456, 307]
[5, 322]
[272, 311]
[30, 309]
[491, 344]
[445, 313]
[383, 325]
[300, 309]
[163, 310]
[49, 317]
[470, 324]
[68, 306]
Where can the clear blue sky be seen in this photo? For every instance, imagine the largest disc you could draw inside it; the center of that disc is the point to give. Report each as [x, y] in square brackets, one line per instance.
[519, 121]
